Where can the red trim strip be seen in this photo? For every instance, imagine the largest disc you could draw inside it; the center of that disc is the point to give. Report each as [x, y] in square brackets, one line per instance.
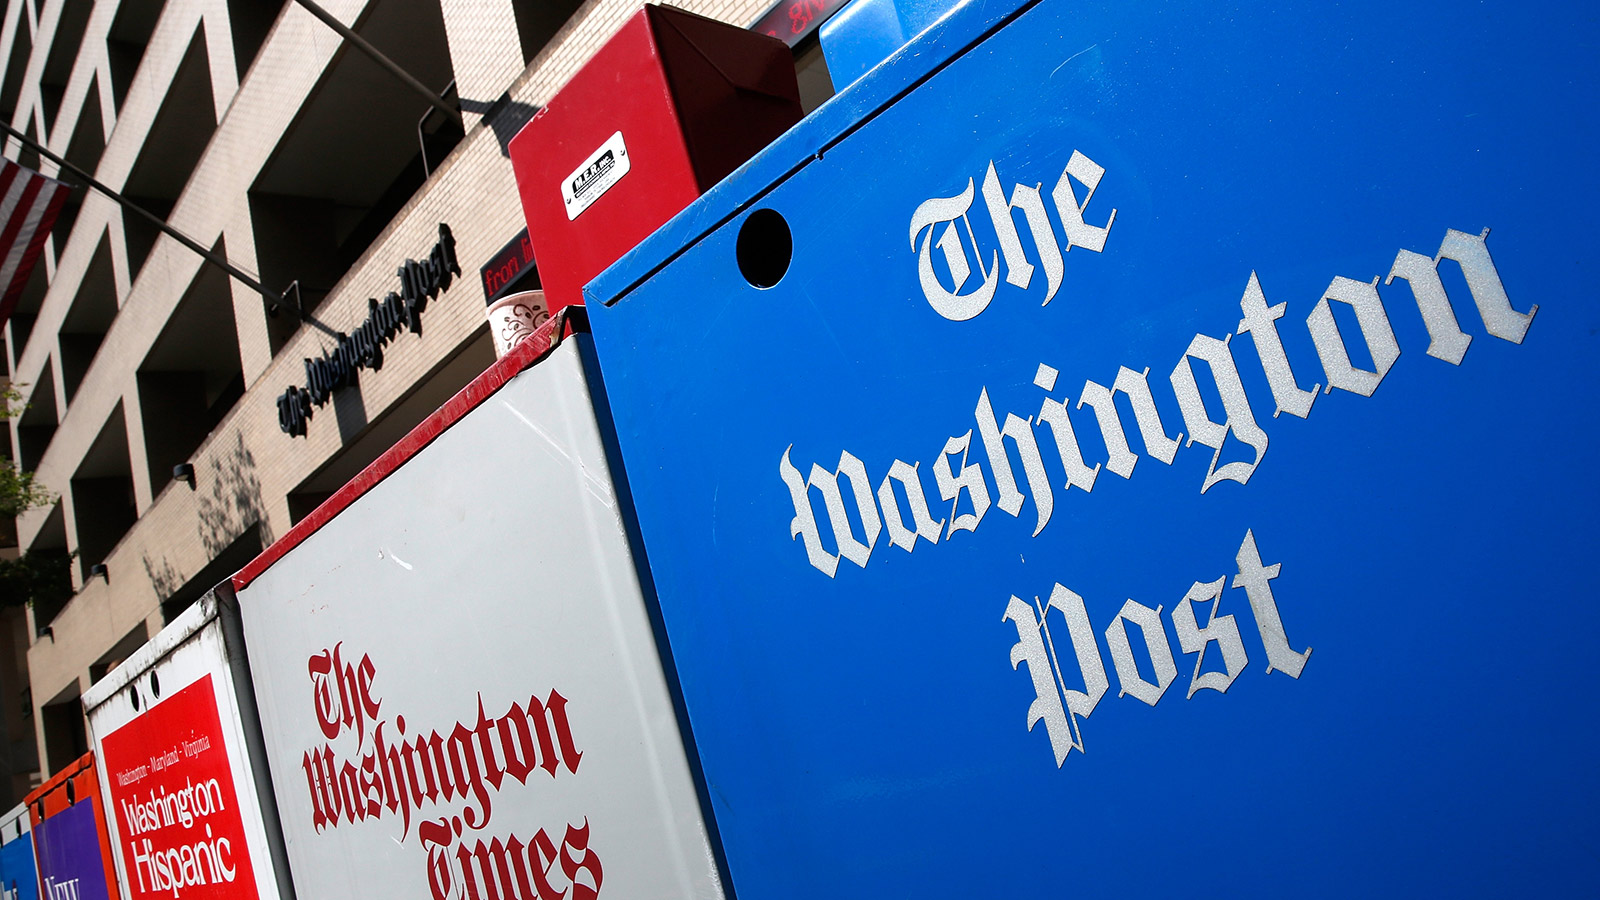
[56, 782]
[531, 350]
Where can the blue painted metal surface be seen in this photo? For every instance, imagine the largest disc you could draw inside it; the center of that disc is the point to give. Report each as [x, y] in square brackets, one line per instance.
[867, 32]
[866, 733]
[19, 878]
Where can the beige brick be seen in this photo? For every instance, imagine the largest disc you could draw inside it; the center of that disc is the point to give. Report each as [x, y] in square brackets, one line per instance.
[247, 467]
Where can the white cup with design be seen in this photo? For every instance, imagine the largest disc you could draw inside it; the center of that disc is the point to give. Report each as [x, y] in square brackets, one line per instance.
[515, 316]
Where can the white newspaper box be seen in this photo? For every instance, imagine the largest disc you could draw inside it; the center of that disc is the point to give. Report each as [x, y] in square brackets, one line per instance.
[459, 682]
[189, 812]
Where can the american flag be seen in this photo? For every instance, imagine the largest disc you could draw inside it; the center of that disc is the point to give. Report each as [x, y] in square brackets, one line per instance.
[29, 203]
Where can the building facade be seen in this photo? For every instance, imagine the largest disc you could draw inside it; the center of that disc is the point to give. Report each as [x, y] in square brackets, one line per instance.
[152, 379]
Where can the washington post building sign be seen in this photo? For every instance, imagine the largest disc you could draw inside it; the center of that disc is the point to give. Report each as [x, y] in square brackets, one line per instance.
[399, 310]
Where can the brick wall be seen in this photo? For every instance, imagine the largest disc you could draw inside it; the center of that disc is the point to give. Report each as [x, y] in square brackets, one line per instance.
[247, 467]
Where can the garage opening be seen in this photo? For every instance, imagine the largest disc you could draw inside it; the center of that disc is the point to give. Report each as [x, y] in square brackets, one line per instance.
[63, 53]
[539, 20]
[127, 40]
[178, 136]
[351, 158]
[192, 375]
[38, 423]
[11, 88]
[84, 328]
[102, 494]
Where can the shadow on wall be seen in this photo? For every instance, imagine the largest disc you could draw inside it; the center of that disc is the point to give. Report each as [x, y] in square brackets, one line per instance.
[234, 503]
[164, 578]
[504, 116]
[231, 525]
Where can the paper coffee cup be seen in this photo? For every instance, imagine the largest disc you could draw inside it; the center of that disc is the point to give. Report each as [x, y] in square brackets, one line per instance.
[515, 316]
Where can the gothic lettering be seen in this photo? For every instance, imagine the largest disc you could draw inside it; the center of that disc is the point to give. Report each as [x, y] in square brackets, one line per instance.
[1059, 714]
[951, 304]
[1237, 417]
[912, 520]
[1020, 433]
[1261, 323]
[1054, 414]
[926, 528]
[930, 215]
[1220, 630]
[1081, 233]
[1137, 388]
[1256, 580]
[969, 479]
[397, 774]
[1019, 271]
[363, 348]
[1375, 330]
[1049, 660]
[1155, 642]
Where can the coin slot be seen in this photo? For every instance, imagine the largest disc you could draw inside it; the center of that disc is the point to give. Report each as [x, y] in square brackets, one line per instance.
[765, 248]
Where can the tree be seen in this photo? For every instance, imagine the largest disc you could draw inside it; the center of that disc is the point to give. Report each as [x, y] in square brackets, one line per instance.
[18, 490]
[40, 576]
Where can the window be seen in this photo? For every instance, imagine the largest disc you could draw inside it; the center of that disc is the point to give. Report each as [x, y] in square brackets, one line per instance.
[250, 21]
[66, 737]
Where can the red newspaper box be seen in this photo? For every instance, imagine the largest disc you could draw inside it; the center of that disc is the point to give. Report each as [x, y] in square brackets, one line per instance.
[69, 835]
[667, 108]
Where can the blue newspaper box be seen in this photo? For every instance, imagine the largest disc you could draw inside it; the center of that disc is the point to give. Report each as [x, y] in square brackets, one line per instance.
[1141, 450]
[19, 877]
[865, 32]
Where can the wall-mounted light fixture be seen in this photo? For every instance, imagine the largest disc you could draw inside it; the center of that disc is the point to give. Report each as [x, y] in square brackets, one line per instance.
[99, 569]
[184, 472]
[47, 631]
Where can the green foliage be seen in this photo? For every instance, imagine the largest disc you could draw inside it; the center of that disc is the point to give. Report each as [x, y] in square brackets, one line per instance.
[40, 577]
[19, 492]
[11, 404]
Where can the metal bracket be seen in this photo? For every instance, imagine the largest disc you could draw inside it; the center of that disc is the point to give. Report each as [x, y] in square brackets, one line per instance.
[295, 304]
[422, 137]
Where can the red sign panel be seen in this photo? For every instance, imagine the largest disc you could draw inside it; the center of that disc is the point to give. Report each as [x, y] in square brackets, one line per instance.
[506, 268]
[173, 795]
[792, 21]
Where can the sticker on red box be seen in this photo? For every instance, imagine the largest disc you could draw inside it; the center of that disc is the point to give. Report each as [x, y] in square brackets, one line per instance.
[604, 168]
